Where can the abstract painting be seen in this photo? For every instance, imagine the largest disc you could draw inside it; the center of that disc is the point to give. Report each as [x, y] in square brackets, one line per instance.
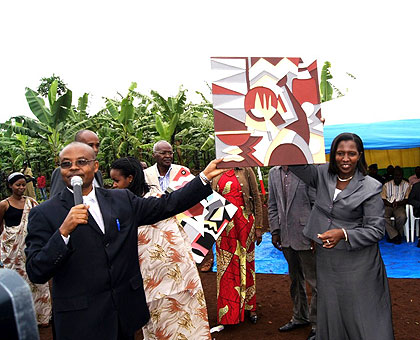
[266, 111]
[204, 222]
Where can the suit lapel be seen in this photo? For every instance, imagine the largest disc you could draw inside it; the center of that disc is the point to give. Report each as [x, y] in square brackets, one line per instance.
[354, 185]
[66, 198]
[332, 183]
[280, 190]
[68, 201]
[92, 223]
[98, 177]
[154, 177]
[104, 201]
[292, 191]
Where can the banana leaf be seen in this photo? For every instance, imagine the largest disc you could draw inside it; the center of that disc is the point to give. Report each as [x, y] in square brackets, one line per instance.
[37, 106]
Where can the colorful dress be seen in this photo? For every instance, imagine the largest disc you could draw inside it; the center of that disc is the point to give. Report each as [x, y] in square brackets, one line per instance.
[13, 257]
[172, 284]
[235, 258]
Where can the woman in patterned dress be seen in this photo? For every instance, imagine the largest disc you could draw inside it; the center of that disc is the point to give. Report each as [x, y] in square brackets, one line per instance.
[172, 284]
[235, 248]
[14, 212]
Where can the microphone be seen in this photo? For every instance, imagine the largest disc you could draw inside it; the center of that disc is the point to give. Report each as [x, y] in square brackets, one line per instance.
[76, 182]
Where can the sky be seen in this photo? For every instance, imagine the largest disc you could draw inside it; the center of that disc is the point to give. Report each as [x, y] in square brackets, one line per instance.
[100, 47]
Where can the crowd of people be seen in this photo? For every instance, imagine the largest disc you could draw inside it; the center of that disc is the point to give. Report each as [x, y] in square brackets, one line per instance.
[121, 261]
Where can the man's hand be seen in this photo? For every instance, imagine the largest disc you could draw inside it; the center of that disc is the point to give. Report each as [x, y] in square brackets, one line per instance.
[275, 240]
[77, 215]
[211, 171]
[331, 237]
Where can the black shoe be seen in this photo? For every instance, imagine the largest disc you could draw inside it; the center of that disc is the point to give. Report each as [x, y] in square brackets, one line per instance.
[418, 244]
[292, 325]
[397, 239]
[312, 335]
[253, 318]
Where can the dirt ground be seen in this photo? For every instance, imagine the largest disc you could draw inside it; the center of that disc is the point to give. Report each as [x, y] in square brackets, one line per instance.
[275, 309]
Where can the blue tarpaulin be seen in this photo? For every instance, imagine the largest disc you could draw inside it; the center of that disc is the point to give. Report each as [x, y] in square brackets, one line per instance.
[401, 261]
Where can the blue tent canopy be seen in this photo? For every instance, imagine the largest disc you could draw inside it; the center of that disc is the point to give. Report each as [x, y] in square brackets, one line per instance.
[396, 134]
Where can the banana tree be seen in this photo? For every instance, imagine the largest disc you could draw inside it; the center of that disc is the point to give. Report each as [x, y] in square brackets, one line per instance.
[167, 113]
[53, 118]
[53, 125]
[325, 85]
[122, 126]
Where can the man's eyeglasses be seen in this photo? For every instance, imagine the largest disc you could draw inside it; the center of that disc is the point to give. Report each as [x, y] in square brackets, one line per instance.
[165, 153]
[79, 163]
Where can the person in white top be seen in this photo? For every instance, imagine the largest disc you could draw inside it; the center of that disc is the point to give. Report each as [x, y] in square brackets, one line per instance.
[159, 175]
[395, 196]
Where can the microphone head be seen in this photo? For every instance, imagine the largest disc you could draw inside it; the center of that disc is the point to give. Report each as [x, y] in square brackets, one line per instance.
[76, 180]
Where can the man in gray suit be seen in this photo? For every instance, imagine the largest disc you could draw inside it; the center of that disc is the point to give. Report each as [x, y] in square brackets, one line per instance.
[289, 206]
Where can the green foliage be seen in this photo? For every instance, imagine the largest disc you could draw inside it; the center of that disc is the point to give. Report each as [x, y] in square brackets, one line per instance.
[325, 86]
[39, 140]
[327, 89]
[127, 126]
[45, 86]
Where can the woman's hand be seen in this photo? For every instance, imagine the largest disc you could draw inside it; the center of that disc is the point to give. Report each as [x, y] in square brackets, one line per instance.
[331, 237]
[258, 236]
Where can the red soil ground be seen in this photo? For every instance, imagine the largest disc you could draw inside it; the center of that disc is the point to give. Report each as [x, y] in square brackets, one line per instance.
[275, 309]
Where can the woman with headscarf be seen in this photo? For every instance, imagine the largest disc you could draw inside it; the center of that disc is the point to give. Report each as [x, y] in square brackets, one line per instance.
[14, 212]
[171, 281]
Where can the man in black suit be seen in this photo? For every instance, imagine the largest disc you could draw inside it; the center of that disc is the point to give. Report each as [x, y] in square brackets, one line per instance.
[83, 136]
[90, 250]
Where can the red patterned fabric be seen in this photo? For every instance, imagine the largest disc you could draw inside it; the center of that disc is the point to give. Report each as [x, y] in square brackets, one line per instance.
[235, 258]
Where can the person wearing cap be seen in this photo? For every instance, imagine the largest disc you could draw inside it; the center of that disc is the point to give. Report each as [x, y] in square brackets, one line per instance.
[14, 212]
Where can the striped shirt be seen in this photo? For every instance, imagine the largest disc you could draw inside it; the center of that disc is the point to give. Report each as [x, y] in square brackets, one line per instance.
[395, 193]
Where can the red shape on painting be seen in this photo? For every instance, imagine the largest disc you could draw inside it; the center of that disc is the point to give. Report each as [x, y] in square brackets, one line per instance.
[305, 90]
[195, 210]
[234, 139]
[301, 125]
[216, 89]
[277, 119]
[222, 120]
[282, 104]
[262, 93]
[181, 173]
[295, 61]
